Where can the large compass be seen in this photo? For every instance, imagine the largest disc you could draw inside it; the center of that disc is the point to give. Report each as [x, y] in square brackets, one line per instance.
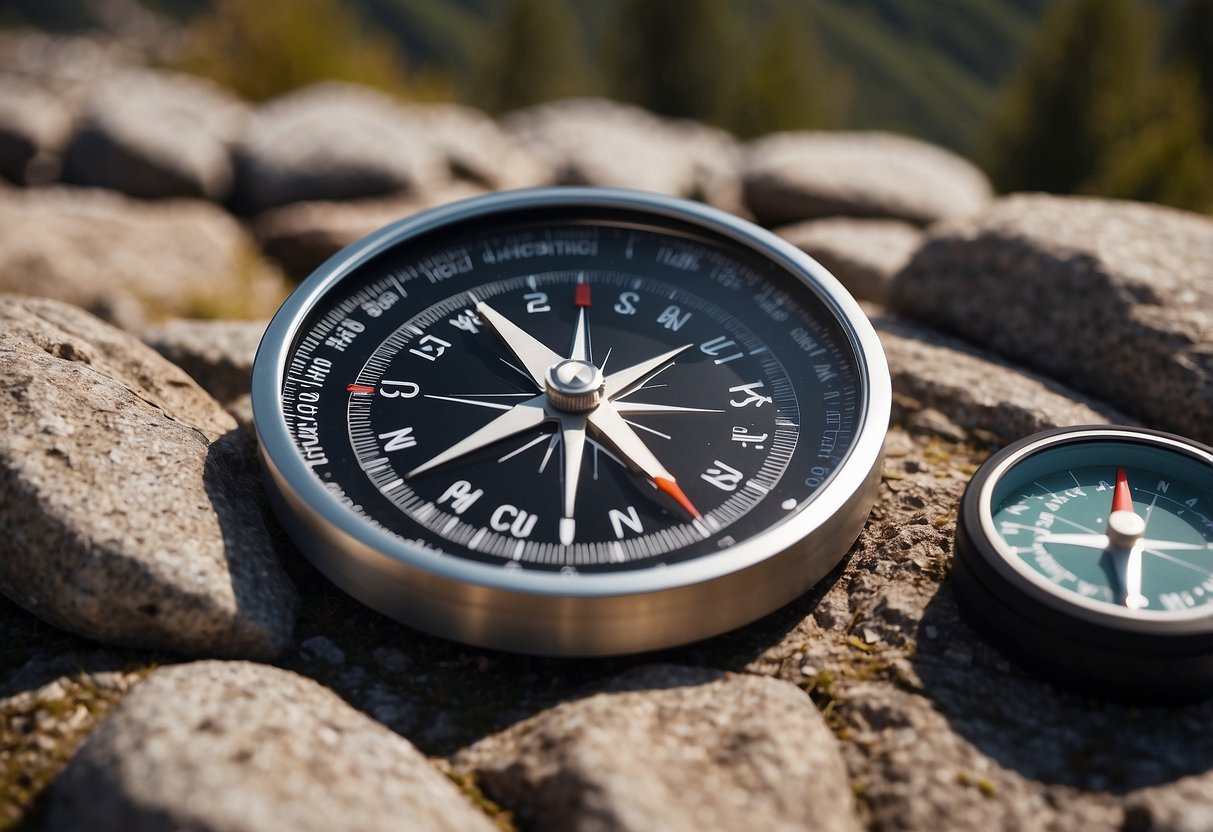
[572, 421]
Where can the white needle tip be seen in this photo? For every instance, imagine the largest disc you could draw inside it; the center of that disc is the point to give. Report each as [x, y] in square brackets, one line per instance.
[568, 531]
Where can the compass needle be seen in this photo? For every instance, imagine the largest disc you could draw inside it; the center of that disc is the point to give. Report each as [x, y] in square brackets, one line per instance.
[521, 417]
[427, 403]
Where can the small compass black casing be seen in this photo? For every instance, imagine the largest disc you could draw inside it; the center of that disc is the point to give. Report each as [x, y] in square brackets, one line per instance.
[1040, 573]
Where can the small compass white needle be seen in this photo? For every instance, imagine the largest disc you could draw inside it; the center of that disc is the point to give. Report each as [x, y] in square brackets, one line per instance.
[1125, 530]
[520, 417]
[1128, 572]
[529, 350]
[620, 436]
[623, 381]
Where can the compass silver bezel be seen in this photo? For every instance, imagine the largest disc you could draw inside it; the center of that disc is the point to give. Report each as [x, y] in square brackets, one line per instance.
[1020, 575]
[584, 614]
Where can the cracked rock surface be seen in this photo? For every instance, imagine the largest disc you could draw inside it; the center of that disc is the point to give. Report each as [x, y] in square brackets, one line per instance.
[132, 512]
[222, 746]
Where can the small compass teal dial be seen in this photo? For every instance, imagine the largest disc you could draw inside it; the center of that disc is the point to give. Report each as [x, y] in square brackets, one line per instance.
[1088, 552]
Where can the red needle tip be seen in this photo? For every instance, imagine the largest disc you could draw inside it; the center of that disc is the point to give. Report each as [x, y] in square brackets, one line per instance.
[1122, 500]
[670, 487]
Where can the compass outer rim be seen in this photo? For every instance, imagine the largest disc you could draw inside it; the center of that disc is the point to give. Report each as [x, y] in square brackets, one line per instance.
[976, 523]
[327, 531]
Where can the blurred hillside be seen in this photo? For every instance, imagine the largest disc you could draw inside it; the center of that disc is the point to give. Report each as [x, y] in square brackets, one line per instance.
[1090, 96]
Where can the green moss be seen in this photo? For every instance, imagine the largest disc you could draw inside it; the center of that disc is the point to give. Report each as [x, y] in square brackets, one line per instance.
[38, 739]
[467, 784]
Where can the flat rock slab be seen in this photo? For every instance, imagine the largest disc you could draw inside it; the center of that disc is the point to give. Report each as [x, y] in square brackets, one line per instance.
[1113, 298]
[239, 747]
[863, 254]
[592, 141]
[303, 235]
[216, 354]
[788, 177]
[130, 261]
[671, 748]
[978, 392]
[34, 127]
[477, 149]
[130, 506]
[334, 141]
[155, 135]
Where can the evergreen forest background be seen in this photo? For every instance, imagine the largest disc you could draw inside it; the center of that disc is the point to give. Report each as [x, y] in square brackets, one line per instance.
[1109, 97]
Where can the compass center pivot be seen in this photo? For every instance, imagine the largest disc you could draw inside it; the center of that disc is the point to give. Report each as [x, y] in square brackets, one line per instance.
[574, 386]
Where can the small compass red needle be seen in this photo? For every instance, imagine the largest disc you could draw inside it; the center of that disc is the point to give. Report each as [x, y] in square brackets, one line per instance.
[1122, 500]
[359, 388]
[670, 487]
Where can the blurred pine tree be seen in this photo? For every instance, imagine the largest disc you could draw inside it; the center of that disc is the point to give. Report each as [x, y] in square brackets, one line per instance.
[788, 83]
[1165, 158]
[675, 57]
[532, 52]
[270, 47]
[1078, 95]
[1192, 50]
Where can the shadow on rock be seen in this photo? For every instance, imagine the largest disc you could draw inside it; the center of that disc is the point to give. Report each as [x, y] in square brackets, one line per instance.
[1046, 733]
[443, 695]
[265, 599]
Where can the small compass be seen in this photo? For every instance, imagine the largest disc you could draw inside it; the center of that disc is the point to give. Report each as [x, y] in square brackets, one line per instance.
[572, 420]
[1087, 553]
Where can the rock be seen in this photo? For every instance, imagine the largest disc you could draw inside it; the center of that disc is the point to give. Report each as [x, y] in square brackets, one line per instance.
[977, 391]
[217, 354]
[796, 176]
[322, 648]
[592, 141]
[476, 149]
[1183, 806]
[34, 127]
[223, 746]
[669, 747]
[130, 261]
[863, 254]
[66, 65]
[155, 135]
[334, 141]
[303, 235]
[1113, 298]
[130, 507]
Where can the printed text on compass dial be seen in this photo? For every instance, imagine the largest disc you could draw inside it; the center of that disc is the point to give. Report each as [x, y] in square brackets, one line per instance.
[720, 405]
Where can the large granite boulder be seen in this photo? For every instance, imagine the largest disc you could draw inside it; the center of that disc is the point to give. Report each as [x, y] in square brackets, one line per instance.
[156, 134]
[591, 141]
[788, 177]
[130, 261]
[303, 235]
[863, 254]
[130, 507]
[477, 149]
[239, 747]
[217, 354]
[334, 141]
[34, 127]
[68, 65]
[1113, 298]
[672, 748]
[954, 389]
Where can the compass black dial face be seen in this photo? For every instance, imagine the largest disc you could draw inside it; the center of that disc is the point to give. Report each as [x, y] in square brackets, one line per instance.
[573, 389]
